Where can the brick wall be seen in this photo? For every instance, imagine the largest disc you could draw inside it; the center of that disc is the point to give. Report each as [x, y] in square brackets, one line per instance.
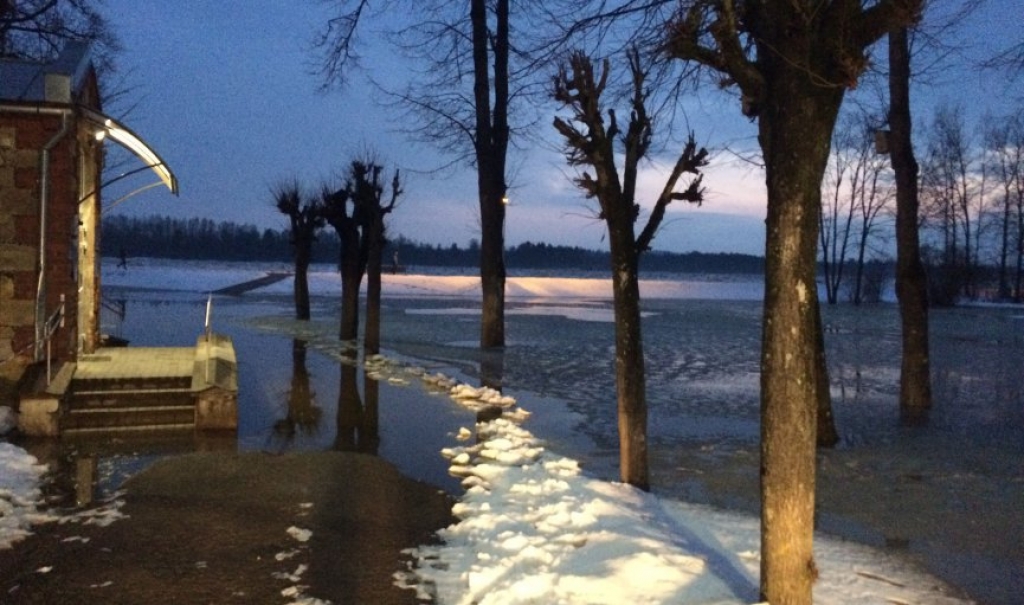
[22, 137]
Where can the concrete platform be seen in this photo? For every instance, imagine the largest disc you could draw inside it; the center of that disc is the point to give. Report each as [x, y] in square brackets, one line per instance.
[127, 363]
[139, 388]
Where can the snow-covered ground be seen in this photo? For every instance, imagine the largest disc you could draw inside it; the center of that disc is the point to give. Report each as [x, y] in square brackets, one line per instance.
[532, 527]
[20, 496]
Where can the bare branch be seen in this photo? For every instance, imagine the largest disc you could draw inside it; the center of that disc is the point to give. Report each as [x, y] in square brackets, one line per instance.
[337, 44]
[690, 161]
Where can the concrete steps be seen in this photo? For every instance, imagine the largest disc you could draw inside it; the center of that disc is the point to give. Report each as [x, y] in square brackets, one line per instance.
[120, 409]
[141, 389]
[119, 390]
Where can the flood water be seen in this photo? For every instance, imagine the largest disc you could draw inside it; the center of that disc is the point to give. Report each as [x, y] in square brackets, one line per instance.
[948, 494]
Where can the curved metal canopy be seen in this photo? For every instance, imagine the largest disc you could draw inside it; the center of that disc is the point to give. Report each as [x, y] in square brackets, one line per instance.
[109, 127]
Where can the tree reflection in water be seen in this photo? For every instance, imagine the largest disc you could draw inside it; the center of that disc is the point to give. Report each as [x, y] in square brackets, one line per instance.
[358, 425]
[303, 413]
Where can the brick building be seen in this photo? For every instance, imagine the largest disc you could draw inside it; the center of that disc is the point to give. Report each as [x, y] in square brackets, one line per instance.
[52, 132]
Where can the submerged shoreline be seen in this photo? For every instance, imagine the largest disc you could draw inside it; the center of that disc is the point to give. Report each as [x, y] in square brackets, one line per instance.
[947, 496]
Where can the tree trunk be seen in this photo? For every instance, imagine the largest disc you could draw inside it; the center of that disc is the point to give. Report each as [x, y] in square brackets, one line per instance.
[862, 246]
[492, 262]
[374, 263]
[1004, 245]
[491, 145]
[1018, 295]
[911, 282]
[795, 129]
[827, 435]
[629, 357]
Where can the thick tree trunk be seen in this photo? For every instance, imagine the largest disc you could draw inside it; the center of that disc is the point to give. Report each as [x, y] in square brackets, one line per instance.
[911, 281]
[492, 368]
[629, 357]
[491, 145]
[492, 263]
[795, 132]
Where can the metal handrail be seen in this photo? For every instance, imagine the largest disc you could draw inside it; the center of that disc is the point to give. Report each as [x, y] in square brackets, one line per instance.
[50, 327]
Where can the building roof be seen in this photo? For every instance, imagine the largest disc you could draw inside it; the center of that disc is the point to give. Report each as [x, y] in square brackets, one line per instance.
[57, 81]
[61, 85]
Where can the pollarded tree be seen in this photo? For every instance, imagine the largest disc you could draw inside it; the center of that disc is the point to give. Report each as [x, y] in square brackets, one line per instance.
[590, 142]
[792, 62]
[304, 220]
[357, 213]
[367, 192]
[342, 213]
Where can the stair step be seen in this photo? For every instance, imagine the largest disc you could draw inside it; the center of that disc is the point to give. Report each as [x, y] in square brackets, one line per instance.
[132, 410]
[128, 416]
[131, 384]
[135, 398]
[129, 428]
[128, 393]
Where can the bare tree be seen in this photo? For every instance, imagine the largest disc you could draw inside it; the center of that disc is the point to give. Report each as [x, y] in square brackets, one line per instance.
[368, 194]
[1011, 59]
[341, 212]
[462, 106]
[854, 194]
[876, 194]
[39, 29]
[1004, 143]
[911, 280]
[792, 63]
[304, 220]
[589, 142]
[837, 209]
[357, 212]
[953, 186]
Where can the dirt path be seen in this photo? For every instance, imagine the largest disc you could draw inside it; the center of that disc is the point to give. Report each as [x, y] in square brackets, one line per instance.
[214, 528]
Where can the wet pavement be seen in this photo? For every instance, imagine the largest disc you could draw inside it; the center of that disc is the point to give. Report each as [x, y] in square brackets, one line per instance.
[232, 528]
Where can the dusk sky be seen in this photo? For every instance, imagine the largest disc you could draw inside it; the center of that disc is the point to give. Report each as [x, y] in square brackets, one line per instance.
[224, 92]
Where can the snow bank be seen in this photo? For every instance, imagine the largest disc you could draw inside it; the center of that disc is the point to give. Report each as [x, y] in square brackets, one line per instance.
[534, 529]
[20, 474]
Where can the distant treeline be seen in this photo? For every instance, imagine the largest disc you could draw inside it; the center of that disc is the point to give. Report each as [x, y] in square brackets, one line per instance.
[204, 239]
